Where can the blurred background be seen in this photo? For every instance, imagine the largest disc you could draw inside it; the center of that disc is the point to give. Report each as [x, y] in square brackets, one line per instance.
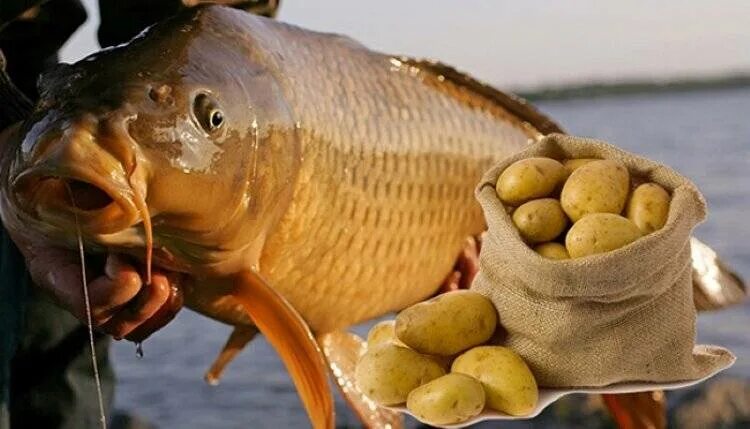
[668, 79]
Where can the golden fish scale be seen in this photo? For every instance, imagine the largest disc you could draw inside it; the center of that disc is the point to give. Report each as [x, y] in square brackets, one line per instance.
[384, 198]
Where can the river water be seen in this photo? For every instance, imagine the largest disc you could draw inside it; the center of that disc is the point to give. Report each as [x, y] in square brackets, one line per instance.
[704, 135]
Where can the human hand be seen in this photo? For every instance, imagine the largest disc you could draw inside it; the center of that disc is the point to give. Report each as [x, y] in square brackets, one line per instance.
[122, 305]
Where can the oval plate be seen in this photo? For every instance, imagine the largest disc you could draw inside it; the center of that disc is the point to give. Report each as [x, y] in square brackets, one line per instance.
[548, 396]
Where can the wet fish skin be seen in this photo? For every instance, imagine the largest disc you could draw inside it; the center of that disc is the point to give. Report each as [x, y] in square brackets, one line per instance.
[124, 119]
[343, 175]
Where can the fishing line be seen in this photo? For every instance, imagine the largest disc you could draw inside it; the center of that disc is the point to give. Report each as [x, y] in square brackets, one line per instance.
[89, 322]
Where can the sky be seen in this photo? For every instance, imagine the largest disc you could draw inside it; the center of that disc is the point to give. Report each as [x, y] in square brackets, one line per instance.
[530, 43]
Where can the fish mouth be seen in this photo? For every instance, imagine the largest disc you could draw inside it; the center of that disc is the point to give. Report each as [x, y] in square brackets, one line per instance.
[76, 199]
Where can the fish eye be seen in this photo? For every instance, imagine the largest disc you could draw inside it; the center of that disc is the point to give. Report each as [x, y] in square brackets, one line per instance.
[207, 113]
[217, 118]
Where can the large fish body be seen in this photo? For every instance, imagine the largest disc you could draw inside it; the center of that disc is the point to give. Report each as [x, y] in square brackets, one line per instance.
[344, 176]
[269, 162]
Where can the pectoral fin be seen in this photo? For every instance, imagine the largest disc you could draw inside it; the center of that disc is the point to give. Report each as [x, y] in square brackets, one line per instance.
[638, 410]
[238, 339]
[343, 350]
[291, 337]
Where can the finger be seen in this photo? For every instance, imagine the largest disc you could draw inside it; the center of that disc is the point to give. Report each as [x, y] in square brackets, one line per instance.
[120, 283]
[451, 283]
[63, 283]
[147, 302]
[58, 273]
[468, 263]
[164, 315]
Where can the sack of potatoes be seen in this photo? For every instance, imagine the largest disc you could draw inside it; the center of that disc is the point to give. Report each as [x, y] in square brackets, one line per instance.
[587, 261]
[440, 358]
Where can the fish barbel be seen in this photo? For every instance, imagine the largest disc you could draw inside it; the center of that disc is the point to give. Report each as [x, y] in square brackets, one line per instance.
[332, 179]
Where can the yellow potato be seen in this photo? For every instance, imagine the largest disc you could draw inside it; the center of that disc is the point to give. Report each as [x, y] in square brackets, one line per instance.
[552, 250]
[529, 179]
[540, 220]
[450, 399]
[599, 233]
[388, 373]
[572, 165]
[447, 324]
[509, 385]
[382, 333]
[445, 362]
[597, 187]
[648, 207]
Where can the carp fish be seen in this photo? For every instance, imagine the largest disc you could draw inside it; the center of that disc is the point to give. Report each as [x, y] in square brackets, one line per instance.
[303, 182]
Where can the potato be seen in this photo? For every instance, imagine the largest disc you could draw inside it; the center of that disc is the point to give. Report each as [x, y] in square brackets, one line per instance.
[540, 220]
[597, 187]
[529, 179]
[552, 250]
[447, 324]
[450, 399]
[648, 207]
[382, 333]
[572, 165]
[387, 374]
[599, 233]
[445, 362]
[509, 385]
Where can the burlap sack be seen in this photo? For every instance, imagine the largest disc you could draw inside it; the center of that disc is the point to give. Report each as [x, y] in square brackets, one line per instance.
[623, 316]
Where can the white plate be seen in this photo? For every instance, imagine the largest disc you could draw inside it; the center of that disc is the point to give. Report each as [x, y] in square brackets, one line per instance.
[548, 396]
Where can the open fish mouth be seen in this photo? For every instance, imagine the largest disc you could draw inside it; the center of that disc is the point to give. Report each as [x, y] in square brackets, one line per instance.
[85, 202]
[85, 196]
[98, 204]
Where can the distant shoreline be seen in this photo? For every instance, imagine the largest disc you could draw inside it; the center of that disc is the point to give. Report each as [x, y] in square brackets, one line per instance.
[609, 89]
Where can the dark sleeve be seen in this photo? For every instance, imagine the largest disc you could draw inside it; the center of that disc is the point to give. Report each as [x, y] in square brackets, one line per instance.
[122, 20]
[46, 379]
[13, 286]
[31, 41]
[52, 378]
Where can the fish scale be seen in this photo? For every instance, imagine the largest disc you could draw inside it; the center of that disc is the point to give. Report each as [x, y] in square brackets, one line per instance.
[385, 191]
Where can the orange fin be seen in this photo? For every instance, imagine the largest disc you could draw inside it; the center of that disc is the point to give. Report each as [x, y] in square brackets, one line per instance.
[238, 339]
[715, 286]
[343, 350]
[291, 337]
[638, 410]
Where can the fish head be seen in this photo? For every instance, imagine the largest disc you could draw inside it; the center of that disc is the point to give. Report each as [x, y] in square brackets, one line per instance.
[182, 134]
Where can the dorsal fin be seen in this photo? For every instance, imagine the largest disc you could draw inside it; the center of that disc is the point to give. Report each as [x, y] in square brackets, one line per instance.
[510, 102]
